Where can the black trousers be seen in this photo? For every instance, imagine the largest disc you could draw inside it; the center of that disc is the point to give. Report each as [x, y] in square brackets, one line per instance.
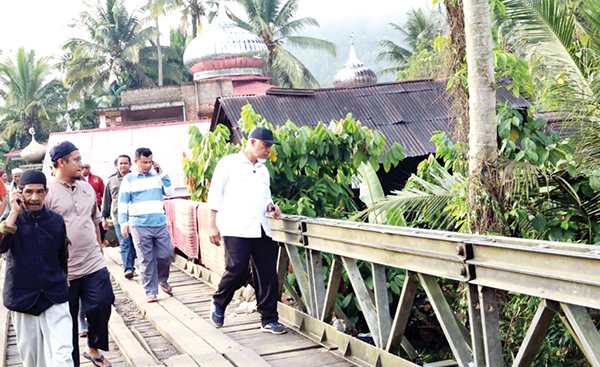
[97, 297]
[262, 254]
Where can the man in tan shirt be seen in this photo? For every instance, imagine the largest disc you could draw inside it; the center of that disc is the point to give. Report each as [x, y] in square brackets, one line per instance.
[75, 201]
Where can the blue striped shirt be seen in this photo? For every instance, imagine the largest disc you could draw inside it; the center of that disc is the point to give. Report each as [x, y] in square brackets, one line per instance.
[141, 199]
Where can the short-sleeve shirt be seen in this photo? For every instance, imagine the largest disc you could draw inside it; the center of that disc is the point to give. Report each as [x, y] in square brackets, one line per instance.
[77, 205]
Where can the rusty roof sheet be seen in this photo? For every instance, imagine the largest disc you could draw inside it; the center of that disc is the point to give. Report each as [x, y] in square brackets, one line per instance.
[405, 112]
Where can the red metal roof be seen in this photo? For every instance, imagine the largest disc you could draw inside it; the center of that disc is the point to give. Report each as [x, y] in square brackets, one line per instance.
[100, 147]
[250, 88]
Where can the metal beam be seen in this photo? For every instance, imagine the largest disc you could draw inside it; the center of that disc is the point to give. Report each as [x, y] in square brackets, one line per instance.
[333, 285]
[364, 298]
[300, 273]
[476, 328]
[535, 336]
[382, 304]
[407, 298]
[314, 267]
[585, 330]
[490, 321]
[282, 267]
[445, 316]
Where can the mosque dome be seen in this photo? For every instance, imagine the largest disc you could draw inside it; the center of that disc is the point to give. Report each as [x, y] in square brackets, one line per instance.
[225, 49]
[354, 73]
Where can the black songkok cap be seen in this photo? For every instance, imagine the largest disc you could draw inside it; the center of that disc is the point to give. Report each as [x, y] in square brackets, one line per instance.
[61, 149]
[32, 176]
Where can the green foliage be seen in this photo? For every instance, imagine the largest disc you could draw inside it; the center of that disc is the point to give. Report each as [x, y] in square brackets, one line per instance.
[557, 349]
[32, 99]
[420, 60]
[108, 58]
[273, 21]
[206, 149]
[311, 170]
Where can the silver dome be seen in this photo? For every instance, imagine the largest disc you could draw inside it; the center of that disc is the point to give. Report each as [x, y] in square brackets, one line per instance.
[354, 73]
[225, 49]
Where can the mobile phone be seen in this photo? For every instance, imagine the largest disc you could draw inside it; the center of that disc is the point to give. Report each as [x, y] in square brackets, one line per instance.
[156, 168]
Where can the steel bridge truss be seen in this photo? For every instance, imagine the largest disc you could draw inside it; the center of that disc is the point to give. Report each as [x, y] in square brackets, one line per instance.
[564, 276]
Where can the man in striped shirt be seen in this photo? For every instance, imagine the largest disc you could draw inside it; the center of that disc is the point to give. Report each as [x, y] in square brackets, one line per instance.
[141, 212]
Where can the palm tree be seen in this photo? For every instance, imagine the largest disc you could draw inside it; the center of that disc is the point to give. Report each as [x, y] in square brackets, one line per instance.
[31, 98]
[191, 12]
[273, 21]
[174, 71]
[568, 38]
[420, 31]
[109, 57]
[157, 8]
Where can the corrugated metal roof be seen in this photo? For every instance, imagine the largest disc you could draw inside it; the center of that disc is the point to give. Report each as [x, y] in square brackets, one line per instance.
[101, 146]
[405, 112]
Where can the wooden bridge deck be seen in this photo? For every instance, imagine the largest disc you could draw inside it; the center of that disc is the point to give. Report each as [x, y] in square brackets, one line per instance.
[176, 331]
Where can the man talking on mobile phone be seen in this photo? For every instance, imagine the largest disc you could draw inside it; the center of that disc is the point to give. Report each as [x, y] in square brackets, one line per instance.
[141, 212]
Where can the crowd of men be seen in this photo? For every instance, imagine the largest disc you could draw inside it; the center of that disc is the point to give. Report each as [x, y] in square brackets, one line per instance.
[52, 231]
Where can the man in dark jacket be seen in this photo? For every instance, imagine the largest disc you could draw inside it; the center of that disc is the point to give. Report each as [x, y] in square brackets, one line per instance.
[36, 288]
[110, 206]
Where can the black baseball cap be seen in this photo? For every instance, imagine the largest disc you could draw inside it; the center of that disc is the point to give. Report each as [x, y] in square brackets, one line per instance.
[264, 134]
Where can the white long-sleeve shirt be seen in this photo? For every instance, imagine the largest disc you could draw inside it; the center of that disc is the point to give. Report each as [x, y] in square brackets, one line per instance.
[240, 193]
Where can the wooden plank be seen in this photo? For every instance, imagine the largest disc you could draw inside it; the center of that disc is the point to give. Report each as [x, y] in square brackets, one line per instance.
[382, 305]
[232, 350]
[445, 316]
[333, 285]
[311, 357]
[364, 298]
[182, 360]
[405, 302]
[172, 329]
[586, 331]
[135, 354]
[490, 321]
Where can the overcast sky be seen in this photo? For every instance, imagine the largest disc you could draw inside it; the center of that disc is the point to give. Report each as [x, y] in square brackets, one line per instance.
[42, 24]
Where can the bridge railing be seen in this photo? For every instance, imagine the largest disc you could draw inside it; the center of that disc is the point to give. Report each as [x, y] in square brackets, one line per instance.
[565, 276]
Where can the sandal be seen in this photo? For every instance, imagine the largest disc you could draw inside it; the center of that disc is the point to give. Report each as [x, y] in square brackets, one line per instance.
[166, 287]
[152, 298]
[95, 361]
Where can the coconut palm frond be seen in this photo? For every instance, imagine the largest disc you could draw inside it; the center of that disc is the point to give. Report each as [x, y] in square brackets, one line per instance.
[550, 26]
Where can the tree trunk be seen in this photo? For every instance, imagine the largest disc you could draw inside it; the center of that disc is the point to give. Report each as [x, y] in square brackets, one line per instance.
[159, 55]
[483, 190]
[482, 90]
[458, 94]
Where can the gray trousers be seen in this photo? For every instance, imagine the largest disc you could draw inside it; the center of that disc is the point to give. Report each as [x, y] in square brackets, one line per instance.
[155, 252]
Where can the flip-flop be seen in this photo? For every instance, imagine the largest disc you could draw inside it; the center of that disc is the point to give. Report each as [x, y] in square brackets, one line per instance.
[95, 361]
[166, 287]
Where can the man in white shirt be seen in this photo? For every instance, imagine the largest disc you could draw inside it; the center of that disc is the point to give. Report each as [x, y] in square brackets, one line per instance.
[239, 199]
